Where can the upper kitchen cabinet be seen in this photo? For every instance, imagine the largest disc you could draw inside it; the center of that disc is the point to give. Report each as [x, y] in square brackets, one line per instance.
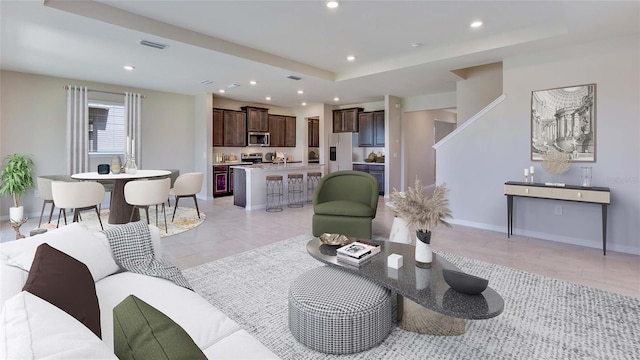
[346, 120]
[235, 128]
[371, 132]
[276, 130]
[290, 131]
[313, 130]
[257, 118]
[218, 128]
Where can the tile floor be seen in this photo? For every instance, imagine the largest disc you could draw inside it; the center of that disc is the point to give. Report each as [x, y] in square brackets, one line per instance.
[230, 230]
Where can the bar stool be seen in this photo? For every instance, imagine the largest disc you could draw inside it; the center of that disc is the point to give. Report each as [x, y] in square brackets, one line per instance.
[312, 181]
[295, 190]
[274, 193]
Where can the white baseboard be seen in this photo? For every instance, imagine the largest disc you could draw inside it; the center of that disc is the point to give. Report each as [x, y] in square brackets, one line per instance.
[551, 237]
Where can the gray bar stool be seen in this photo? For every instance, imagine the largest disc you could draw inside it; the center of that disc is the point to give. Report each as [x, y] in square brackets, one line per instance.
[295, 190]
[312, 181]
[274, 193]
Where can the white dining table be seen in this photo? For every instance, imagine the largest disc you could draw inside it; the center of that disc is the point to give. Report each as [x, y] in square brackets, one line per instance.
[119, 210]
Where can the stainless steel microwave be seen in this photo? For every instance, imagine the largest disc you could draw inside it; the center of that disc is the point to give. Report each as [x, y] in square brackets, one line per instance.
[258, 139]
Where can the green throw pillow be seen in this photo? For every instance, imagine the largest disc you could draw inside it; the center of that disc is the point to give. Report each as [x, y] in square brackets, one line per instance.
[141, 332]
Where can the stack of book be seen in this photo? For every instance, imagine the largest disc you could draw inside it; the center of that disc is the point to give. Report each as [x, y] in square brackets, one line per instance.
[357, 253]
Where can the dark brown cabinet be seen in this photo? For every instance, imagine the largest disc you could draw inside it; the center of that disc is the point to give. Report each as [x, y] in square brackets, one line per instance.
[313, 132]
[290, 131]
[377, 170]
[257, 119]
[235, 128]
[346, 120]
[276, 130]
[282, 130]
[218, 128]
[371, 132]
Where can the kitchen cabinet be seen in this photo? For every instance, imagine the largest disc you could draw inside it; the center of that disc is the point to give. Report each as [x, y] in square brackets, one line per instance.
[290, 131]
[276, 130]
[377, 170]
[313, 132]
[282, 130]
[346, 120]
[235, 128]
[371, 129]
[257, 119]
[218, 128]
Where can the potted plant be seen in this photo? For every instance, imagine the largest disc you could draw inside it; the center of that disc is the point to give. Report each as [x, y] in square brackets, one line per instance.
[16, 178]
[424, 211]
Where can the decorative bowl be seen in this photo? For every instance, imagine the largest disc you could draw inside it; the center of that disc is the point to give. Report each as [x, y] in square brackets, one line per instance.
[334, 239]
[464, 283]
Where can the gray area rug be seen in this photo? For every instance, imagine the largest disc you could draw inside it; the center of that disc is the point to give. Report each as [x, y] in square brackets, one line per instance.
[544, 318]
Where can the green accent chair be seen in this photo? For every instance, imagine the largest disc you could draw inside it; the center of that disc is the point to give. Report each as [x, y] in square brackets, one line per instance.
[345, 202]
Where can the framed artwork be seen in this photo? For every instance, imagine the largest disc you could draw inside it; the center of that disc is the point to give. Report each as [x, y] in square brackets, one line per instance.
[563, 120]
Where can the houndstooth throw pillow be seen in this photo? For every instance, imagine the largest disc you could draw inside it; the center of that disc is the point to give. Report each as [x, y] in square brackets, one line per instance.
[132, 248]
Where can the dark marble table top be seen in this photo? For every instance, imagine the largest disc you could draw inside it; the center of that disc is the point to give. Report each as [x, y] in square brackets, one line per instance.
[426, 287]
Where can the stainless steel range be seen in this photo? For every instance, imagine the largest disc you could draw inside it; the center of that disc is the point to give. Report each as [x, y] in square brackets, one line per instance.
[254, 158]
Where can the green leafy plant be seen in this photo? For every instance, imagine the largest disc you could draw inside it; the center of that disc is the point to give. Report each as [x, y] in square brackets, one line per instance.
[16, 176]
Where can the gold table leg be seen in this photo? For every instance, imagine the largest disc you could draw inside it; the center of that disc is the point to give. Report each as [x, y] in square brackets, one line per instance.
[416, 318]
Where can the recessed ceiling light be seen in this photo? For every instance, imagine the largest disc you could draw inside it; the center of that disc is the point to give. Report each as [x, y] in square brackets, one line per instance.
[351, 57]
[222, 91]
[332, 4]
[268, 98]
[300, 92]
[476, 24]
[415, 45]
[304, 104]
[253, 82]
[129, 67]
[336, 99]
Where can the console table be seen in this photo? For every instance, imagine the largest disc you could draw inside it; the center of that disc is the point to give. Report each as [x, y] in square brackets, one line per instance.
[593, 195]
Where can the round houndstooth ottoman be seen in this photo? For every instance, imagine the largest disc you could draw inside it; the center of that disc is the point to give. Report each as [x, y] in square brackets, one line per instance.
[338, 312]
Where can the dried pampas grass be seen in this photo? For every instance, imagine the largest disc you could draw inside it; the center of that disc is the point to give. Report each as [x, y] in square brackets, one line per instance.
[421, 210]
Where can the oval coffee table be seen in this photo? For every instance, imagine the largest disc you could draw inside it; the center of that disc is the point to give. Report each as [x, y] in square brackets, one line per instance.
[426, 303]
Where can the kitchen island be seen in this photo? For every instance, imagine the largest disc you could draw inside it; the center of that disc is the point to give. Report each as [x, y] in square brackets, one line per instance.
[249, 181]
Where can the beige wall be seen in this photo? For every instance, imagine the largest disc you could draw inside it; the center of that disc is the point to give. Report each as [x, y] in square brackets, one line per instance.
[482, 85]
[33, 121]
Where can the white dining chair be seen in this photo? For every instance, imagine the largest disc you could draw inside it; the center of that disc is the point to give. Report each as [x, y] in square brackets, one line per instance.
[77, 195]
[187, 185]
[143, 193]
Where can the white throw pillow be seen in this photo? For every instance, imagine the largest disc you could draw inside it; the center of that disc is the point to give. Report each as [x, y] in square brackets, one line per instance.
[31, 328]
[73, 240]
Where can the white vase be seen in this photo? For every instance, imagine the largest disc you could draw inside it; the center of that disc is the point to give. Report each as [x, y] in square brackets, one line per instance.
[400, 231]
[424, 255]
[16, 213]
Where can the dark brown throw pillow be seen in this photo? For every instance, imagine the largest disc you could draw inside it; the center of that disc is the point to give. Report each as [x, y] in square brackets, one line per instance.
[66, 283]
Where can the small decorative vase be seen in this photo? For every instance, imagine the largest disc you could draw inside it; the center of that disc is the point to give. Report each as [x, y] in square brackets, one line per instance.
[116, 164]
[130, 167]
[424, 255]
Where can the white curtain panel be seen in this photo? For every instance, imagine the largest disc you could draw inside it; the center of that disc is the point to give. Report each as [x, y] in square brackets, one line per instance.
[77, 129]
[133, 116]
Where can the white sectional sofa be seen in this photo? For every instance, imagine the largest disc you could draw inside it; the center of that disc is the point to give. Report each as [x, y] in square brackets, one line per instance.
[32, 328]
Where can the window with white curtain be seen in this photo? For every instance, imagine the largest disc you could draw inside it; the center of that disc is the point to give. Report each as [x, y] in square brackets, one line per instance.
[106, 128]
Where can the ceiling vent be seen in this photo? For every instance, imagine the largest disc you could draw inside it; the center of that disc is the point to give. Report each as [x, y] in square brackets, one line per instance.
[153, 44]
[233, 86]
[293, 77]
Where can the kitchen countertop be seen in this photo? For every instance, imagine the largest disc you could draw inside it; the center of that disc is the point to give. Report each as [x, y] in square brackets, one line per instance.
[232, 163]
[278, 167]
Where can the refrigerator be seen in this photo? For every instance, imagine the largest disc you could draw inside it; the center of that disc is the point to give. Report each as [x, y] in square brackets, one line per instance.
[341, 151]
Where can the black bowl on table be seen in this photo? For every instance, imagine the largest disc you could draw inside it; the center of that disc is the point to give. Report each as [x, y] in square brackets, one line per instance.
[464, 283]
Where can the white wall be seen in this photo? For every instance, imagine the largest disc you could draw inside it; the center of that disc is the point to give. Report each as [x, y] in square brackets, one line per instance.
[496, 148]
[33, 121]
[482, 85]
